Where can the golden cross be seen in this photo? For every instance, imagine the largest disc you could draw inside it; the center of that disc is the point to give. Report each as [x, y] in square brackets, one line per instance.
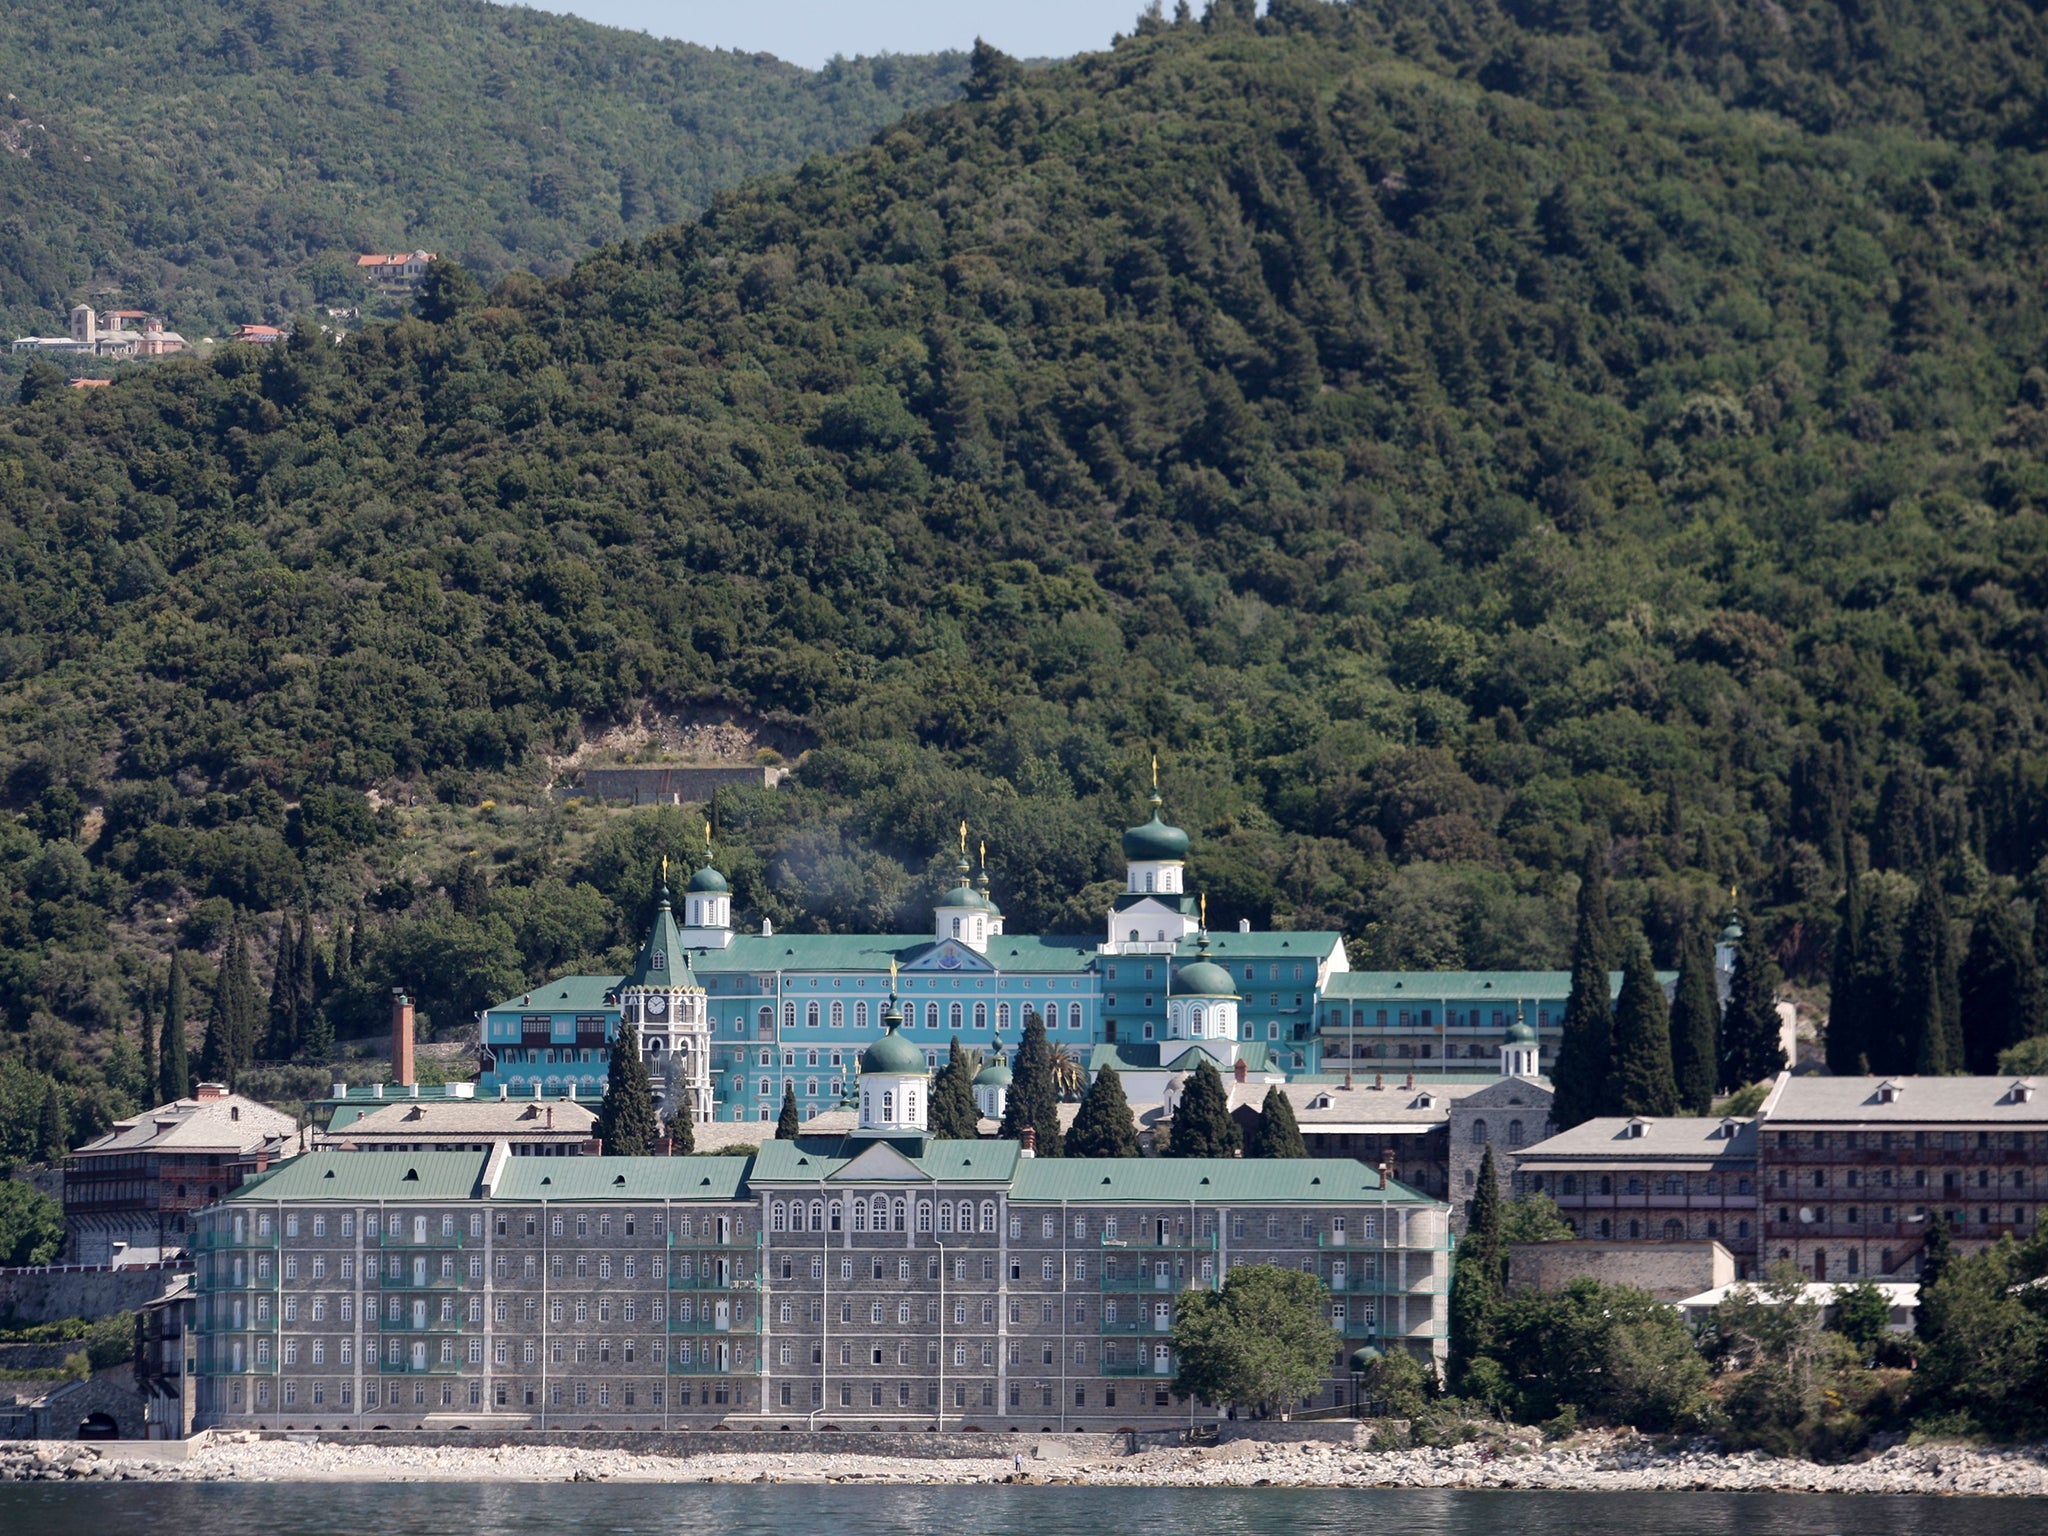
[1155, 773]
[963, 839]
[1205, 911]
[664, 869]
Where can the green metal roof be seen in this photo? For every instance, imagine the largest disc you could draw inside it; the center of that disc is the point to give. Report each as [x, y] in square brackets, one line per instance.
[1155, 842]
[564, 994]
[365, 1177]
[892, 1055]
[1464, 986]
[349, 1114]
[808, 1159]
[873, 952]
[624, 1178]
[1146, 1055]
[1166, 1180]
[662, 961]
[1310, 944]
[1204, 978]
[707, 881]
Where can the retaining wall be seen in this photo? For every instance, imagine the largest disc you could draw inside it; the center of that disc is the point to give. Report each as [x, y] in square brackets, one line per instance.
[47, 1296]
[942, 1446]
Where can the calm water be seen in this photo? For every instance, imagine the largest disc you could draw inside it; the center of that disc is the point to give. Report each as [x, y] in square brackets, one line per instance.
[554, 1509]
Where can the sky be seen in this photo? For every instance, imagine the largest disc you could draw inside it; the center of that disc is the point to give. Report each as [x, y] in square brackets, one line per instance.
[808, 32]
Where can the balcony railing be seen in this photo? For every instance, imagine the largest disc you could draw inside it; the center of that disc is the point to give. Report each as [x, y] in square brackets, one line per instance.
[402, 1239]
[434, 1366]
[223, 1237]
[406, 1324]
[1141, 1367]
[1130, 1327]
[408, 1279]
[712, 1324]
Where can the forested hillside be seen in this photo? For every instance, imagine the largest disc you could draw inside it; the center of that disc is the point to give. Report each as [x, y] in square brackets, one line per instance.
[222, 160]
[1436, 430]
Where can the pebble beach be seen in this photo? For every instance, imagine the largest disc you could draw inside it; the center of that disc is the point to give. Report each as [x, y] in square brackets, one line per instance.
[1587, 1464]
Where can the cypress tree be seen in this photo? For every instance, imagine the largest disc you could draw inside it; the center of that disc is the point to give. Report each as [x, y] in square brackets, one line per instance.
[466, 890]
[151, 1039]
[230, 1023]
[952, 1113]
[682, 1132]
[1278, 1133]
[1202, 1126]
[1750, 1049]
[626, 1121]
[1641, 1080]
[1933, 997]
[1848, 1049]
[282, 1041]
[1695, 1026]
[789, 1123]
[1034, 1093]
[1103, 1126]
[2000, 989]
[305, 987]
[174, 1072]
[1581, 1068]
[53, 1130]
[1479, 1279]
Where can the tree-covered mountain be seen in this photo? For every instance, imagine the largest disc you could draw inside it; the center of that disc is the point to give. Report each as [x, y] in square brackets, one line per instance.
[222, 160]
[1435, 429]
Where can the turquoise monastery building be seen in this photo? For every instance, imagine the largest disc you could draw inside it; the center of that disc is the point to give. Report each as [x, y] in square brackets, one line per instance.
[727, 1019]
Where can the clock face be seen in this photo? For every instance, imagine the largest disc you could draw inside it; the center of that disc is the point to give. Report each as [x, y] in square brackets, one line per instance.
[657, 1005]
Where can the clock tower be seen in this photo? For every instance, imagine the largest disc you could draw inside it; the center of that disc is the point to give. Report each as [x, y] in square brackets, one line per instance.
[662, 998]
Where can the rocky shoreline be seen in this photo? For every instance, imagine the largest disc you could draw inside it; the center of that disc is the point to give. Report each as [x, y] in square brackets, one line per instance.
[1587, 1464]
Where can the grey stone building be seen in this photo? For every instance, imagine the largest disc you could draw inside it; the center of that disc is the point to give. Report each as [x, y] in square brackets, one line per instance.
[880, 1278]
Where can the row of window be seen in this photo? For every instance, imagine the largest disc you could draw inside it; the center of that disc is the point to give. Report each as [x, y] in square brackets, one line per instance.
[1672, 1230]
[1455, 1017]
[505, 1394]
[1639, 1184]
[1886, 1141]
[1854, 1215]
[1817, 1178]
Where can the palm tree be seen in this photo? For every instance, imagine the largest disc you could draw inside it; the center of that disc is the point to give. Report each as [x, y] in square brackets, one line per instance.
[1067, 1074]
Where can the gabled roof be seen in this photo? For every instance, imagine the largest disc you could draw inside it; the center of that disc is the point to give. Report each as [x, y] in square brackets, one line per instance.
[909, 1158]
[623, 1178]
[468, 1118]
[1853, 1101]
[230, 1124]
[1153, 1181]
[1461, 986]
[364, 1177]
[1662, 1138]
[1146, 1055]
[565, 994]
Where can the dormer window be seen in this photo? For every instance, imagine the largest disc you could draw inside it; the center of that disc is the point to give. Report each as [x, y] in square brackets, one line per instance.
[1887, 1093]
[1634, 1130]
[2022, 1093]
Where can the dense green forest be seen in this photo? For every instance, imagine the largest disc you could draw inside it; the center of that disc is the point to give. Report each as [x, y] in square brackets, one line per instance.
[222, 160]
[1445, 433]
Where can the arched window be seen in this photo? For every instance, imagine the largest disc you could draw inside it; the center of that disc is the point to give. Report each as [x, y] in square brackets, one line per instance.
[1471, 1179]
[1002, 1015]
[811, 1015]
[867, 1105]
[1571, 1183]
[1478, 1133]
[988, 1216]
[838, 1211]
[1148, 882]
[860, 1014]
[766, 1021]
[1674, 1229]
[1195, 1018]
[1674, 1184]
[955, 1016]
[860, 1215]
[945, 1216]
[888, 1107]
[776, 1217]
[898, 1215]
[789, 1015]
[1514, 1133]
[981, 1015]
[956, 927]
[931, 1015]
[817, 1216]
[1606, 1187]
[838, 1014]
[1134, 935]
[924, 1215]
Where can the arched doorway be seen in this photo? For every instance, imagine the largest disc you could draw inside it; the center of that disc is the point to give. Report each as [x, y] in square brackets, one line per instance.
[98, 1426]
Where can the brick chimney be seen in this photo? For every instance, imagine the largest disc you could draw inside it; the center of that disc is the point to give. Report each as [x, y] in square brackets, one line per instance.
[1030, 1142]
[401, 1037]
[206, 1092]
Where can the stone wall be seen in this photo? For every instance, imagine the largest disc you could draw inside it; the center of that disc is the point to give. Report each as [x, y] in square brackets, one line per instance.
[655, 785]
[765, 1438]
[49, 1295]
[1668, 1271]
